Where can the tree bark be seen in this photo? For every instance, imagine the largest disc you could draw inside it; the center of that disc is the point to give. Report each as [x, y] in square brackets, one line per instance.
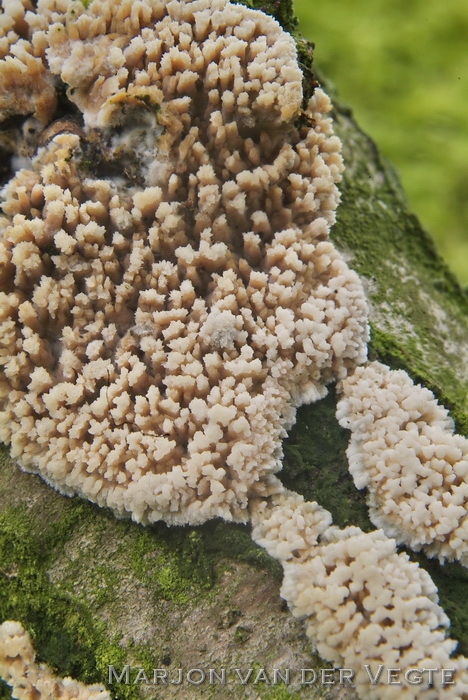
[95, 591]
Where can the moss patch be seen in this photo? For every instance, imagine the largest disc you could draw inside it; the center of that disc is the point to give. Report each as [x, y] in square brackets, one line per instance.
[281, 10]
[63, 629]
[418, 311]
[451, 581]
[316, 466]
[64, 563]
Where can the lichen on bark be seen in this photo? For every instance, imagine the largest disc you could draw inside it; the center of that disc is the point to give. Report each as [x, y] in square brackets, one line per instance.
[95, 591]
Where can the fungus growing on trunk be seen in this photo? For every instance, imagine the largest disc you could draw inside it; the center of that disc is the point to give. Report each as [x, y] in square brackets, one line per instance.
[404, 451]
[365, 606]
[162, 322]
[170, 296]
[28, 679]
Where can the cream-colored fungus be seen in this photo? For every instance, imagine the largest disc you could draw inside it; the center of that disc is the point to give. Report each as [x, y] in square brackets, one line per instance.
[366, 607]
[170, 295]
[404, 450]
[30, 680]
[160, 329]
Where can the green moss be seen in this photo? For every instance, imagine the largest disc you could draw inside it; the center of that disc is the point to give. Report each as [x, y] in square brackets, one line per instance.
[179, 563]
[418, 310]
[221, 537]
[386, 348]
[27, 595]
[451, 581]
[282, 693]
[55, 581]
[316, 466]
[173, 563]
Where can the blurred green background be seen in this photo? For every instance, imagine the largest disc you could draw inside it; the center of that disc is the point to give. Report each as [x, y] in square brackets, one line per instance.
[402, 65]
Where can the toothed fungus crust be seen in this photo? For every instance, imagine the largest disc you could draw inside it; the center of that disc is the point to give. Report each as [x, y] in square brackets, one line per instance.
[27, 87]
[364, 605]
[29, 679]
[404, 451]
[169, 297]
[161, 325]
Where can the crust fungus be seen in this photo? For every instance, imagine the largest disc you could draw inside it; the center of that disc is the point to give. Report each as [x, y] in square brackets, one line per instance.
[365, 606]
[29, 679]
[160, 327]
[170, 295]
[404, 451]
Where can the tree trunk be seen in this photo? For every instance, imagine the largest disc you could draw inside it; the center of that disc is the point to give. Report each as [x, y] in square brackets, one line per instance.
[95, 591]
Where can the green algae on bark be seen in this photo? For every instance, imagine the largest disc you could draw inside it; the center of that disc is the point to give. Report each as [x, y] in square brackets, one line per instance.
[418, 311]
[94, 591]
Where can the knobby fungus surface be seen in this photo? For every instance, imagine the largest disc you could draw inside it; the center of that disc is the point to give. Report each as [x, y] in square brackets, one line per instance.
[170, 296]
[404, 450]
[29, 679]
[163, 316]
[366, 607]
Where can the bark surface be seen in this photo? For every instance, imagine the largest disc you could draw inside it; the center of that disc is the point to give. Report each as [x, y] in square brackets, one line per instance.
[95, 591]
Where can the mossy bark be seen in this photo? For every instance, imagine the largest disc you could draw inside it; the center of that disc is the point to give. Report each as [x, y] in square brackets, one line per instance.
[95, 591]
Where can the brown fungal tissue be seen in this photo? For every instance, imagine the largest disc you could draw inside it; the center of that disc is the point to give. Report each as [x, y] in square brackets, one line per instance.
[170, 294]
[29, 679]
[27, 87]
